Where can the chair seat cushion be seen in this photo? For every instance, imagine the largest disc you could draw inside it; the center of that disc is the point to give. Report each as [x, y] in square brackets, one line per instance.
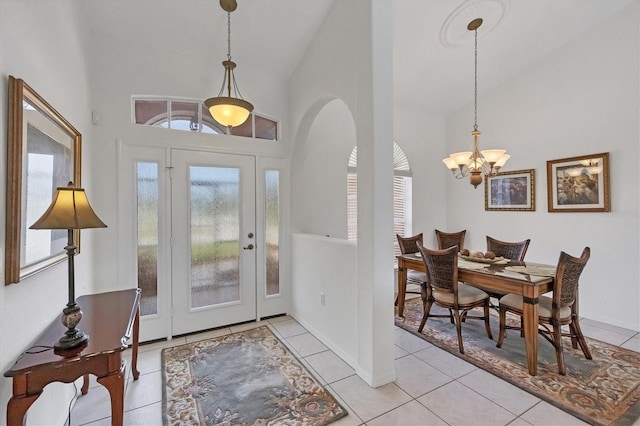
[544, 305]
[466, 294]
[416, 276]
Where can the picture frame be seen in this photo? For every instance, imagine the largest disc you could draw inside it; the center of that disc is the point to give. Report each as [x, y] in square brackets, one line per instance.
[43, 153]
[579, 184]
[510, 191]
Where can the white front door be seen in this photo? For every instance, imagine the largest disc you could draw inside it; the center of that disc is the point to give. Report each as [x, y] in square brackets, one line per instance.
[213, 227]
[186, 223]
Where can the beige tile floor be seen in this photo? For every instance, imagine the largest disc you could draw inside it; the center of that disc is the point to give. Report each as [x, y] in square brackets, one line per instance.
[432, 387]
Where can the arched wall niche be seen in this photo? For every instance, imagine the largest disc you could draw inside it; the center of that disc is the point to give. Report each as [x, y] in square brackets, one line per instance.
[324, 140]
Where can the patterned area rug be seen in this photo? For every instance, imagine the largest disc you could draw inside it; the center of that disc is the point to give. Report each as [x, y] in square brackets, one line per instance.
[603, 391]
[247, 378]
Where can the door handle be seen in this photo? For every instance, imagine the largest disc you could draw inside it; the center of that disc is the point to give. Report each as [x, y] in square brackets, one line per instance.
[249, 247]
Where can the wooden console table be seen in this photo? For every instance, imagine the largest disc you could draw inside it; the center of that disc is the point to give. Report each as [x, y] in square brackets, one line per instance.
[109, 319]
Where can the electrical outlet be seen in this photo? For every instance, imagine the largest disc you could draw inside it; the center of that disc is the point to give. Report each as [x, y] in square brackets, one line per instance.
[322, 299]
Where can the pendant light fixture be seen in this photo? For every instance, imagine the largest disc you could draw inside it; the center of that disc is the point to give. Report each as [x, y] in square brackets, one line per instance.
[476, 163]
[228, 110]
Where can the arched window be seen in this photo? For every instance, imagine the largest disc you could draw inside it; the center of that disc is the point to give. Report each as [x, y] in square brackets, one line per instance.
[402, 207]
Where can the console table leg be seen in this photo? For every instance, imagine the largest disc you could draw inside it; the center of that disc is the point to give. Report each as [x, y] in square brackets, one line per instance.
[134, 349]
[17, 409]
[85, 384]
[115, 385]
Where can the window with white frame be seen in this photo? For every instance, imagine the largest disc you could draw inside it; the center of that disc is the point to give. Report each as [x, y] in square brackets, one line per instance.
[402, 207]
[192, 115]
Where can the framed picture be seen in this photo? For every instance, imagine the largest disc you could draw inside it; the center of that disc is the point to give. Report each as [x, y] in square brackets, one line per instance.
[43, 153]
[510, 191]
[579, 184]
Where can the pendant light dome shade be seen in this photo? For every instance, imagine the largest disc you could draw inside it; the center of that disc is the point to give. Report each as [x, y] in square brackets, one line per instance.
[230, 111]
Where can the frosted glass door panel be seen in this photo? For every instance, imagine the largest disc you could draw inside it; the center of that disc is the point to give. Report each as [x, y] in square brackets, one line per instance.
[213, 230]
[272, 230]
[147, 206]
[215, 235]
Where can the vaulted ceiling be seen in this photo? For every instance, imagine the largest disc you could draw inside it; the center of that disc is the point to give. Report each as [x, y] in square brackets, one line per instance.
[272, 36]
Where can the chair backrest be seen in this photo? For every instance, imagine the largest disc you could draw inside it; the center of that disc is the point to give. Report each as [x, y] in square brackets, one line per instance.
[513, 251]
[408, 244]
[442, 267]
[450, 239]
[565, 286]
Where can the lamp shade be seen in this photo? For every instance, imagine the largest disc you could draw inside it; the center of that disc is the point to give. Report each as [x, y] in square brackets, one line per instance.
[461, 157]
[492, 155]
[502, 160]
[229, 111]
[69, 209]
[451, 164]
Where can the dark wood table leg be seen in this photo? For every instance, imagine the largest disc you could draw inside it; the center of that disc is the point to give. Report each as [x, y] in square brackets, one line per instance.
[17, 409]
[402, 287]
[115, 385]
[85, 385]
[134, 346]
[530, 326]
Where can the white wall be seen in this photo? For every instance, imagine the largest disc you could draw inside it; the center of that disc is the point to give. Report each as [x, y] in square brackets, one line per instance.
[582, 99]
[327, 266]
[421, 135]
[356, 36]
[40, 42]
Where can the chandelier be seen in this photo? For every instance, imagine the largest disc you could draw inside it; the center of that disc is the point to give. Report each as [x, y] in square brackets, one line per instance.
[229, 110]
[476, 163]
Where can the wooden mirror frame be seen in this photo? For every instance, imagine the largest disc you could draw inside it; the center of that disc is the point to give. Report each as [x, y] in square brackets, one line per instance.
[19, 94]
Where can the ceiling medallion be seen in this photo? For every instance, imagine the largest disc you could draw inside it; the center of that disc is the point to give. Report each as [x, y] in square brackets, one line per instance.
[454, 30]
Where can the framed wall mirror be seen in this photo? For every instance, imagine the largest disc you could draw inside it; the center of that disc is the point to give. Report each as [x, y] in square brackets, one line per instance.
[43, 153]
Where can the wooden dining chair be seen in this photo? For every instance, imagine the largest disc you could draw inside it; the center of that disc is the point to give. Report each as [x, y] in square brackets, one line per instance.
[408, 246]
[447, 292]
[508, 250]
[449, 239]
[556, 311]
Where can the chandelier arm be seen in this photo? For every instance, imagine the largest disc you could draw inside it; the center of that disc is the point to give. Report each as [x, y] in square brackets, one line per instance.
[460, 173]
[224, 83]
[235, 88]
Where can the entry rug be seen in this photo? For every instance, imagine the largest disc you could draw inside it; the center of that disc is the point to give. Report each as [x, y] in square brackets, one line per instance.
[601, 391]
[247, 378]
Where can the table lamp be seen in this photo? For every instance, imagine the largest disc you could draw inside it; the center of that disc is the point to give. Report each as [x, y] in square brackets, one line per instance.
[70, 210]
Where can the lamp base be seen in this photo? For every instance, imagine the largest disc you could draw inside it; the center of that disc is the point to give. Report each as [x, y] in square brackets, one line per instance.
[71, 316]
[69, 341]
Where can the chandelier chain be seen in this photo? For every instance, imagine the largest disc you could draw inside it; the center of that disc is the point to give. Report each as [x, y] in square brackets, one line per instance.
[475, 82]
[229, 35]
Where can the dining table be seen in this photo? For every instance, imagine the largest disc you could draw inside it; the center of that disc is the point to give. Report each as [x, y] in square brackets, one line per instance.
[528, 279]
